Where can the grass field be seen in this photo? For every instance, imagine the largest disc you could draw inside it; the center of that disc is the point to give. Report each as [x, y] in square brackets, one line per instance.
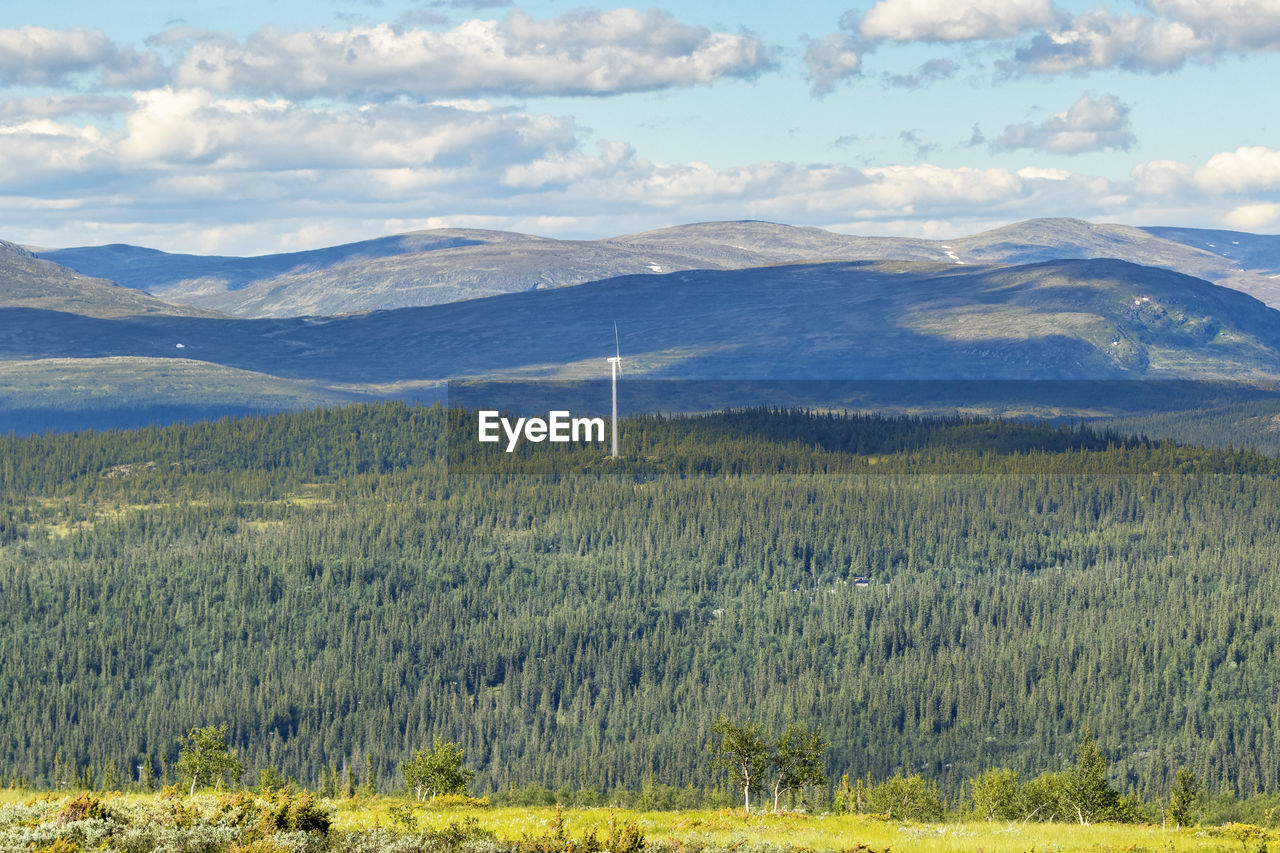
[731, 830]
[679, 831]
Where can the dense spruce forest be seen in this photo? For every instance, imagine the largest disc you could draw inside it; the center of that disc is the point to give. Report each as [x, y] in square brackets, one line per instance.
[339, 587]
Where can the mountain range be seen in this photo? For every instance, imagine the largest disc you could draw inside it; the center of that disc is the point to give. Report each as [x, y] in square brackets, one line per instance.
[435, 267]
[113, 335]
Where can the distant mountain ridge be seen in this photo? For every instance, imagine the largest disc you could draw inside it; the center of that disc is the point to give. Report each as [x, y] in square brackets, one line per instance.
[833, 320]
[82, 350]
[27, 281]
[449, 265]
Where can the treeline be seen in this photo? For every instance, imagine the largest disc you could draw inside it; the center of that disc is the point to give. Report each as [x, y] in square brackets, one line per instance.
[341, 587]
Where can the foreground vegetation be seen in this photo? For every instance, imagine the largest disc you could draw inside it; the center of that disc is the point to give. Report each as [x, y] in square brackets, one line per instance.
[279, 821]
[340, 594]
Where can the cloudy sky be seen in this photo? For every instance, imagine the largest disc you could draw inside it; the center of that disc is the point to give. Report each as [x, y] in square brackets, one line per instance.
[249, 127]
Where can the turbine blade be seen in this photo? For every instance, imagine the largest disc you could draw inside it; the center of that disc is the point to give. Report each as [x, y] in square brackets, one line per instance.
[617, 351]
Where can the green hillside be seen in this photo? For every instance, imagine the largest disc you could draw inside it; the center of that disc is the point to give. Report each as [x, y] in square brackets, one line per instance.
[338, 592]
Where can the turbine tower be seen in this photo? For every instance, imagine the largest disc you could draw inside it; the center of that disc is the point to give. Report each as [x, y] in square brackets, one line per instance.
[616, 364]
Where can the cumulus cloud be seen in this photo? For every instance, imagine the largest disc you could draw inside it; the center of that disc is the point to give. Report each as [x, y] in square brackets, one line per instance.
[579, 53]
[1243, 24]
[1243, 170]
[47, 156]
[1045, 40]
[1091, 124]
[1251, 217]
[953, 20]
[831, 59]
[1178, 31]
[192, 156]
[38, 56]
[192, 127]
[1237, 189]
[191, 144]
[915, 188]
[1161, 177]
[245, 172]
[1097, 39]
[561, 170]
[1245, 183]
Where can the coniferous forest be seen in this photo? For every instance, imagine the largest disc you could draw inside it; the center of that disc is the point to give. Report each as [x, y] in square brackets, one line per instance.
[340, 587]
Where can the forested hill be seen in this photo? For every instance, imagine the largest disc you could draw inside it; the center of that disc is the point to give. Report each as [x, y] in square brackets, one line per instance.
[339, 587]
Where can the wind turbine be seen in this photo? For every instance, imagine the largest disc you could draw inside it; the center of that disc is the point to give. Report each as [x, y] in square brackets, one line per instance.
[616, 364]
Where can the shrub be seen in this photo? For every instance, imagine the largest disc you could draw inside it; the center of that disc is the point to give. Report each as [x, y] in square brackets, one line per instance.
[84, 807]
[60, 845]
[458, 801]
[297, 813]
[907, 798]
[994, 795]
[628, 838]
[1251, 838]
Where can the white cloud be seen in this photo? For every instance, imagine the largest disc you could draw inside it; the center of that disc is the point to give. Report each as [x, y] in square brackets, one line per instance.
[1244, 183]
[1161, 177]
[1243, 24]
[1097, 39]
[561, 170]
[822, 194]
[250, 174]
[55, 106]
[38, 56]
[1165, 37]
[908, 188]
[579, 53]
[194, 128]
[1091, 124]
[1033, 172]
[830, 59]
[189, 153]
[1180, 31]
[188, 160]
[954, 20]
[42, 153]
[1243, 170]
[1252, 217]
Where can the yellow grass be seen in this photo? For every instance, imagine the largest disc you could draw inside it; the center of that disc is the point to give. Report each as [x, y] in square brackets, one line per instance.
[817, 832]
[104, 513]
[730, 829]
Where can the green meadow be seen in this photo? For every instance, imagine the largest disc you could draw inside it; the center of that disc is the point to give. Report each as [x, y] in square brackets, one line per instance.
[235, 822]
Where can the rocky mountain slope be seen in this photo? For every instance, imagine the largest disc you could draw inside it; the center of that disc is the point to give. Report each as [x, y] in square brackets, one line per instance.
[27, 281]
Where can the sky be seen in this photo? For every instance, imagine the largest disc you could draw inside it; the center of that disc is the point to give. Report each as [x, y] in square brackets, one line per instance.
[244, 128]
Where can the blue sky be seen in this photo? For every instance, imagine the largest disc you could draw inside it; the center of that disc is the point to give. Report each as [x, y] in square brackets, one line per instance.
[246, 128]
